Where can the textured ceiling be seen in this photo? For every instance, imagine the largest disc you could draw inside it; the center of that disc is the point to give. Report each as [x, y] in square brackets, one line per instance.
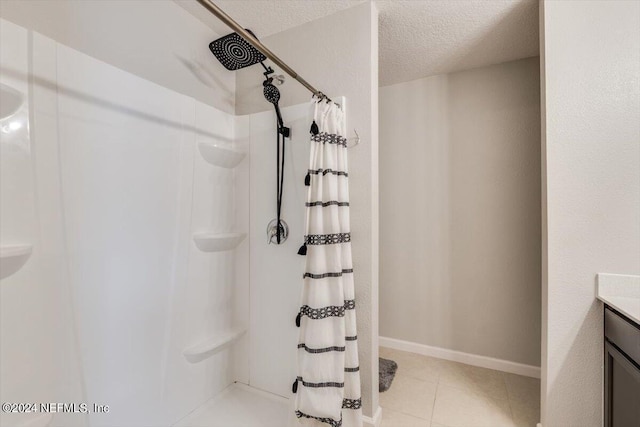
[417, 38]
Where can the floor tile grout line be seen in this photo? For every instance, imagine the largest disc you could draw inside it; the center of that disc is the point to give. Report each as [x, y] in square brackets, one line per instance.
[435, 397]
[414, 415]
[407, 414]
[417, 378]
[477, 393]
[506, 387]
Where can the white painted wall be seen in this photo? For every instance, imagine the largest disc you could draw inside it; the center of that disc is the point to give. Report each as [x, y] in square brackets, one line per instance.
[154, 39]
[109, 187]
[591, 191]
[459, 211]
[339, 54]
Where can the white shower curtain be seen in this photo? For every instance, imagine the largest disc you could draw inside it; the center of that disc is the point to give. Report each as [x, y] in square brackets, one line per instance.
[328, 382]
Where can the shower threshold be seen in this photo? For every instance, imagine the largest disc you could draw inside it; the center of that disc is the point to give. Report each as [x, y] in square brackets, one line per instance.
[240, 405]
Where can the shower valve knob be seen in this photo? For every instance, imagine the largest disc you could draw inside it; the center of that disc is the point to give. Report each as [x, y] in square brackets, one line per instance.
[273, 230]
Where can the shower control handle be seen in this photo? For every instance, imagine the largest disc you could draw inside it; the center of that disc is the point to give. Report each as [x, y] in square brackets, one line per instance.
[271, 234]
[273, 230]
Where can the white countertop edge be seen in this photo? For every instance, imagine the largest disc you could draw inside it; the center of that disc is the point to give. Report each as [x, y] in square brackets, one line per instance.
[621, 292]
[630, 307]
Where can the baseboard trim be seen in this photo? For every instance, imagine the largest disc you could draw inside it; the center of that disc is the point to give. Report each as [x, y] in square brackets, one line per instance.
[458, 356]
[373, 421]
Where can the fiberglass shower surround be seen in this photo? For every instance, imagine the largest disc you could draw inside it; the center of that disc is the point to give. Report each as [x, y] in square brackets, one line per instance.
[133, 289]
[140, 216]
[142, 276]
[327, 384]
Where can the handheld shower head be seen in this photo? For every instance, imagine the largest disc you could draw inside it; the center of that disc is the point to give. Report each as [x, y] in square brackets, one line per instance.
[271, 93]
[234, 52]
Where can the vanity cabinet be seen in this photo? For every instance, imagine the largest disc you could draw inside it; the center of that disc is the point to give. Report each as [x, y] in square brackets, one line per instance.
[621, 370]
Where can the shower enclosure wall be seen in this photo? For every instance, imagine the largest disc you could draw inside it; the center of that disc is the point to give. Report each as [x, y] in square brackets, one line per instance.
[134, 211]
[133, 214]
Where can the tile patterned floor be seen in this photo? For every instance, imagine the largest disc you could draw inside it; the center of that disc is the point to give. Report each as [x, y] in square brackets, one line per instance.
[430, 392]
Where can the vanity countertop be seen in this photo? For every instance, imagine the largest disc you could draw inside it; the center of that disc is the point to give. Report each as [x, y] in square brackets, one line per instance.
[621, 292]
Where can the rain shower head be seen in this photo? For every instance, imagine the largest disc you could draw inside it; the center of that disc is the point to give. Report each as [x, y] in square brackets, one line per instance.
[234, 52]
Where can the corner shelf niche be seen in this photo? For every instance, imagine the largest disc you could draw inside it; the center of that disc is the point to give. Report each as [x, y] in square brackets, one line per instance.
[210, 242]
[219, 156]
[214, 345]
[12, 258]
[12, 100]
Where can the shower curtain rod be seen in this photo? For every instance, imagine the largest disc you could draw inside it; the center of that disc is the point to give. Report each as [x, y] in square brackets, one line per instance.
[221, 15]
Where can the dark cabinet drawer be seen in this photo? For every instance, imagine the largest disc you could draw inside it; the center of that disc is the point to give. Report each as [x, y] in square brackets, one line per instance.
[621, 371]
[622, 333]
[622, 390]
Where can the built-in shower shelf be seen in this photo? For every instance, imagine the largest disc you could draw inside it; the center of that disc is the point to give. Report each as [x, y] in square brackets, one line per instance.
[210, 242]
[10, 101]
[220, 156]
[12, 258]
[208, 348]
